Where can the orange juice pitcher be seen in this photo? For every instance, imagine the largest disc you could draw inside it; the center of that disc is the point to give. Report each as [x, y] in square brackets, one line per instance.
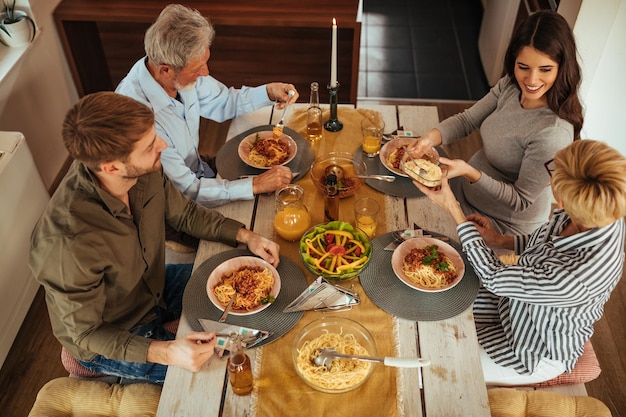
[292, 217]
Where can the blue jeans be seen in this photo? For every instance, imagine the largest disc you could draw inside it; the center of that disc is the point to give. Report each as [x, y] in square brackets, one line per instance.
[176, 277]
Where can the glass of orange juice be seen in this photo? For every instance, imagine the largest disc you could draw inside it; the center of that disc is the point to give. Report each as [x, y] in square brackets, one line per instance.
[366, 215]
[372, 131]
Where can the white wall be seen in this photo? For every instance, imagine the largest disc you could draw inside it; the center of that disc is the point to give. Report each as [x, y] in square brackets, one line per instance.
[37, 93]
[600, 32]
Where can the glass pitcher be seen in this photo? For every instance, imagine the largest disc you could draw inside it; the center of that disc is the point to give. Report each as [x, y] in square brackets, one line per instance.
[292, 217]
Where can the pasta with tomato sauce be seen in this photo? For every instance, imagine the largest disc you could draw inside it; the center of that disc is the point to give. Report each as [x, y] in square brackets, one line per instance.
[250, 284]
[269, 151]
[428, 267]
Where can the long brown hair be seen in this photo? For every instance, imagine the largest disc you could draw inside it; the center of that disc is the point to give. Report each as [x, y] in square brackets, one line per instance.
[548, 32]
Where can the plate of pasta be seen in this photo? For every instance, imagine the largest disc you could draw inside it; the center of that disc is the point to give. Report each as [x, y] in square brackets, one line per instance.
[427, 264]
[266, 149]
[391, 154]
[254, 282]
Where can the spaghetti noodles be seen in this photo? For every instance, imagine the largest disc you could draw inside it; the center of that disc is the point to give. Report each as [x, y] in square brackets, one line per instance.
[342, 374]
[426, 172]
[269, 151]
[428, 268]
[251, 285]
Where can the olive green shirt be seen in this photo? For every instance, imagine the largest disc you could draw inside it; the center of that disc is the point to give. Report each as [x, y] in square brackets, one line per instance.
[103, 268]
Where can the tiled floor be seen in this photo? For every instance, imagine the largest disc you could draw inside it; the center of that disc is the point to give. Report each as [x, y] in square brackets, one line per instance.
[425, 49]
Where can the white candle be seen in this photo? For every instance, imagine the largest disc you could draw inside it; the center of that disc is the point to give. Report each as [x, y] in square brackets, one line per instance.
[333, 56]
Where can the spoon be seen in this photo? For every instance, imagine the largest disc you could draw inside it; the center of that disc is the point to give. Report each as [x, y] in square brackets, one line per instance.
[327, 355]
[388, 178]
[227, 309]
[341, 175]
[291, 94]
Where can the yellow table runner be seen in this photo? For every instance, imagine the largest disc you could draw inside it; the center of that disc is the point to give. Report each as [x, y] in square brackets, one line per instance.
[279, 390]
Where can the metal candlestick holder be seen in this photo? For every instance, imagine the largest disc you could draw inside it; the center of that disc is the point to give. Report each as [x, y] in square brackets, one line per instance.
[333, 124]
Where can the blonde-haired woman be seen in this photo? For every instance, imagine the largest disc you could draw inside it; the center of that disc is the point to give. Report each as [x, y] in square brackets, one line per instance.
[533, 318]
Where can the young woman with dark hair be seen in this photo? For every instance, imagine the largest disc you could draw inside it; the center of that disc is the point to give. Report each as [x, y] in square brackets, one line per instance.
[528, 116]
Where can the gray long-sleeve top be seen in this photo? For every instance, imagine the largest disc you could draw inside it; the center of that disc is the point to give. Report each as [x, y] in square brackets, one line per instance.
[514, 189]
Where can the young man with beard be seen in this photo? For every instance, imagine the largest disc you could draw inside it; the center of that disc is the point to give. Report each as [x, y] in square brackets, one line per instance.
[99, 247]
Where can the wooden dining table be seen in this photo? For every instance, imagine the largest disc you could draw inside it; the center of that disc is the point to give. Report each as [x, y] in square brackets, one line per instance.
[453, 384]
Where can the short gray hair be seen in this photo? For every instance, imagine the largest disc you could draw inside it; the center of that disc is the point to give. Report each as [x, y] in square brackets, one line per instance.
[178, 35]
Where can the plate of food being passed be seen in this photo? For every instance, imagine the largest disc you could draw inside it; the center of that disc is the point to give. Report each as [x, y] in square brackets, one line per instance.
[391, 154]
[427, 264]
[266, 149]
[253, 282]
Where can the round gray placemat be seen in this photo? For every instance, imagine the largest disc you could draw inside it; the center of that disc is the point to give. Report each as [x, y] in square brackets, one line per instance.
[196, 303]
[389, 293]
[231, 167]
[401, 187]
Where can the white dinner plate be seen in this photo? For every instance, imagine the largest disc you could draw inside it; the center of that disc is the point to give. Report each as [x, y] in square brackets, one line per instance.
[231, 265]
[405, 247]
[245, 146]
[388, 149]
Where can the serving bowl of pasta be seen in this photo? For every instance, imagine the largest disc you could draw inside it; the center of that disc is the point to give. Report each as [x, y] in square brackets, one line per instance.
[253, 281]
[345, 336]
[426, 169]
[335, 250]
[427, 264]
[266, 149]
[349, 167]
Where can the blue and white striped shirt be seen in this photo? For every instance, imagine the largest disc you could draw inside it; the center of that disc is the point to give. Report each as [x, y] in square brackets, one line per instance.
[546, 305]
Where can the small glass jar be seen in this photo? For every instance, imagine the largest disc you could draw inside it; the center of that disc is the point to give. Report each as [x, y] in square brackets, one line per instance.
[239, 368]
[292, 218]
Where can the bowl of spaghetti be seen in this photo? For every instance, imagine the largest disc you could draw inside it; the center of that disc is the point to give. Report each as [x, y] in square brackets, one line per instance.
[346, 186]
[335, 250]
[266, 149]
[427, 264]
[253, 281]
[345, 336]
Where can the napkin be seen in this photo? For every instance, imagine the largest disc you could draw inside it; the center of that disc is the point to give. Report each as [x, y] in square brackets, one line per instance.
[248, 337]
[411, 233]
[322, 295]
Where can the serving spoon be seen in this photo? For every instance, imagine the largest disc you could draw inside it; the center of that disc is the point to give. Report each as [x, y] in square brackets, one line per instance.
[327, 355]
[341, 174]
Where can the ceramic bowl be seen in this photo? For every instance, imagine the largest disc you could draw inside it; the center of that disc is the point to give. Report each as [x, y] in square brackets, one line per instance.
[232, 265]
[247, 143]
[397, 260]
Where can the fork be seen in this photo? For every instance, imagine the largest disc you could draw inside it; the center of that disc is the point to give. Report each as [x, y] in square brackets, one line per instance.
[281, 123]
[422, 171]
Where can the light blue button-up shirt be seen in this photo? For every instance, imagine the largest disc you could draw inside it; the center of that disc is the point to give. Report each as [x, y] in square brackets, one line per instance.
[178, 123]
